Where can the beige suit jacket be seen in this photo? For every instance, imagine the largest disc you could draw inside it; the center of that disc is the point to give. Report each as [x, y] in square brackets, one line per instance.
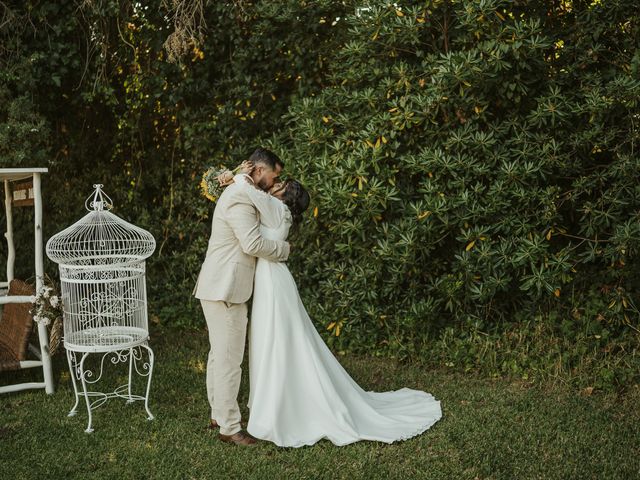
[235, 242]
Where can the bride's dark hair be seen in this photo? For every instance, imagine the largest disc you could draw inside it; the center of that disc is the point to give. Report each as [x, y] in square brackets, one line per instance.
[296, 198]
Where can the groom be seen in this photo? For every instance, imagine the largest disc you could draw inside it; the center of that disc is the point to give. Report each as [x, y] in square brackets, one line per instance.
[225, 284]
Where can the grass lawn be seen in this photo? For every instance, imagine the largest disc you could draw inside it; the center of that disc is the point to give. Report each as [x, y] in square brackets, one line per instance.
[489, 429]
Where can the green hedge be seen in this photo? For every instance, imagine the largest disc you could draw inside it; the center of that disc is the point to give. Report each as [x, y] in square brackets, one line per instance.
[473, 164]
[473, 178]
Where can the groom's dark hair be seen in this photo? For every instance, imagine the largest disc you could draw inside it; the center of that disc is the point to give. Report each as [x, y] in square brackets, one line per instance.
[266, 157]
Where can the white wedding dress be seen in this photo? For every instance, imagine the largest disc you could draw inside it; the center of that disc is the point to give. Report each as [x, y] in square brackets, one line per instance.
[299, 392]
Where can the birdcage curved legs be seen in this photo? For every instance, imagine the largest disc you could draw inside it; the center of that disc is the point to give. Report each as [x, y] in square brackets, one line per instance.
[83, 378]
[71, 360]
[143, 370]
[87, 377]
[149, 373]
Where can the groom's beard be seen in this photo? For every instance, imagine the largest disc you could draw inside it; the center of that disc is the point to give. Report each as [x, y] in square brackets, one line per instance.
[262, 185]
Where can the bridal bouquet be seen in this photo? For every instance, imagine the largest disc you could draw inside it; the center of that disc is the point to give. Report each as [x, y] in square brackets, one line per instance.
[215, 179]
[47, 309]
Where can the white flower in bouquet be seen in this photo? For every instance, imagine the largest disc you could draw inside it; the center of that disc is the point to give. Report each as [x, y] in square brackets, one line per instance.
[47, 309]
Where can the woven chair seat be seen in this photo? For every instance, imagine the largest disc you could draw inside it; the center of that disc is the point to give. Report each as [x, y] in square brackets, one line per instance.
[15, 328]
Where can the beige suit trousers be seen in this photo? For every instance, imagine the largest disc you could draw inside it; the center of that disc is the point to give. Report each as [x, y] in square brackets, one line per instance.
[227, 324]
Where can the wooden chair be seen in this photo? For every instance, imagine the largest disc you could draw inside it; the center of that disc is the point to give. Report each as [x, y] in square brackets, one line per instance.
[23, 188]
[15, 329]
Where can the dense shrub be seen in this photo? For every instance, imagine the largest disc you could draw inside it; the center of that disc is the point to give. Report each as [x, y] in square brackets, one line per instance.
[471, 174]
[473, 164]
[118, 113]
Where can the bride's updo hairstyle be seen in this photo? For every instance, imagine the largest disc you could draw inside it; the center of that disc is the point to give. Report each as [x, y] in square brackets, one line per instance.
[296, 198]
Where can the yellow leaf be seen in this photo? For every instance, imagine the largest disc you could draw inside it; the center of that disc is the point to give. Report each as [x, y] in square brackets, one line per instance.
[500, 16]
[331, 325]
[377, 143]
[557, 292]
[325, 119]
[624, 302]
[315, 212]
[548, 236]
[477, 109]
[338, 328]
[369, 143]
[613, 302]
[420, 20]
[354, 194]
[424, 214]
[470, 245]
[384, 140]
[273, 97]
[375, 35]
[359, 183]
[430, 174]
[399, 13]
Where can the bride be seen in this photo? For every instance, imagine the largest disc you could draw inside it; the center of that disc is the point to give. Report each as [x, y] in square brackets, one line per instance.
[299, 392]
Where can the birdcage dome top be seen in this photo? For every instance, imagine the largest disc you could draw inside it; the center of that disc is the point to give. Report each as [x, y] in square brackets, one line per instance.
[100, 235]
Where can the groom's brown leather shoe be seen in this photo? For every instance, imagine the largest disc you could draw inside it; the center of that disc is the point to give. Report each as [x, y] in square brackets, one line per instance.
[238, 438]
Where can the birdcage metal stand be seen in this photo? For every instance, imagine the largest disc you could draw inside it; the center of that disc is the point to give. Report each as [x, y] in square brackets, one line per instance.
[101, 259]
[81, 374]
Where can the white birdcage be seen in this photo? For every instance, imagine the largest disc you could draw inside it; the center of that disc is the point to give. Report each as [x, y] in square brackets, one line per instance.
[101, 260]
[102, 274]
